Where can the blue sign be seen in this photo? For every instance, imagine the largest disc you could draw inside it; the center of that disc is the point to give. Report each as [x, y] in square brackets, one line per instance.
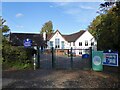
[85, 56]
[27, 42]
[110, 59]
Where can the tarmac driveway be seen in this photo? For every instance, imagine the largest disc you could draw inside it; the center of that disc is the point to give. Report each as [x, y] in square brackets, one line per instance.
[44, 78]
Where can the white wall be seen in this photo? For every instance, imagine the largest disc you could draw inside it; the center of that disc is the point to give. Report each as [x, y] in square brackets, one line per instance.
[58, 35]
[86, 36]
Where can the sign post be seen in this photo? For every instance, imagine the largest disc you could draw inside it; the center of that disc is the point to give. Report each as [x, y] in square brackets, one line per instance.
[97, 57]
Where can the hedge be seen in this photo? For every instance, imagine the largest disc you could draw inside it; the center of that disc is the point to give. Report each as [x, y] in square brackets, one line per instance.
[21, 54]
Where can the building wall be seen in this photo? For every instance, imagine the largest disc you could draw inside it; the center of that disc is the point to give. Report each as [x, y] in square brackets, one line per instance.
[85, 37]
[75, 45]
[58, 35]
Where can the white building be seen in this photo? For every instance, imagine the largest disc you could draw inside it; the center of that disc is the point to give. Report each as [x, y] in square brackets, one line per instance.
[80, 40]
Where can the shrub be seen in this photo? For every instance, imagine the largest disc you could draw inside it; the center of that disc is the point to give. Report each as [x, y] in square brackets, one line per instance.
[19, 55]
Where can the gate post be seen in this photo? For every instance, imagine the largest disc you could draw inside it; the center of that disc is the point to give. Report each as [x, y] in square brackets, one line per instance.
[90, 49]
[71, 55]
[34, 62]
[53, 59]
[38, 57]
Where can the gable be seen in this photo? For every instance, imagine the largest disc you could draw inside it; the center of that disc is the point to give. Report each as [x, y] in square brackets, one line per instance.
[85, 36]
[57, 35]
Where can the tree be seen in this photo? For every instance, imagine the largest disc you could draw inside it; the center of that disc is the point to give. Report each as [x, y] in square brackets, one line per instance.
[105, 28]
[47, 27]
[13, 56]
[92, 28]
[3, 28]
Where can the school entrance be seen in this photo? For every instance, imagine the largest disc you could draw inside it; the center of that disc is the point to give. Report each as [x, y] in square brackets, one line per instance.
[65, 59]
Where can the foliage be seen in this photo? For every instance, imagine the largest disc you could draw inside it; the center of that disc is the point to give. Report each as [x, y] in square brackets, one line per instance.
[105, 28]
[47, 27]
[3, 28]
[14, 57]
[20, 54]
[16, 65]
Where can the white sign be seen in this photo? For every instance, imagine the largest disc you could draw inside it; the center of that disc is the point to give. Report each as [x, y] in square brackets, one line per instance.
[110, 59]
[27, 42]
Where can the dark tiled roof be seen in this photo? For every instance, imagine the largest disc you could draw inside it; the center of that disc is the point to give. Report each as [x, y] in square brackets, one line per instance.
[73, 37]
[49, 36]
[70, 38]
[17, 39]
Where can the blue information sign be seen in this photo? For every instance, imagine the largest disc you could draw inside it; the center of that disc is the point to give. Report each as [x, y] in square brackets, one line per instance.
[110, 59]
[85, 56]
[27, 42]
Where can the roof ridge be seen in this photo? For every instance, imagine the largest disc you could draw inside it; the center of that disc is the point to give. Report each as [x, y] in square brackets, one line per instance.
[73, 37]
[74, 33]
[26, 33]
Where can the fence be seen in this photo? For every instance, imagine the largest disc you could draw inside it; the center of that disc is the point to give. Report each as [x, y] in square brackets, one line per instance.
[65, 59]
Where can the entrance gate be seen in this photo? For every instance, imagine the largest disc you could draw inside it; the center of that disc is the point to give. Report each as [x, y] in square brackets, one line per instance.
[65, 59]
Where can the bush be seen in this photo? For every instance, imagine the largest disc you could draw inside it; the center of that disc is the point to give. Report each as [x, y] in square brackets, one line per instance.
[17, 55]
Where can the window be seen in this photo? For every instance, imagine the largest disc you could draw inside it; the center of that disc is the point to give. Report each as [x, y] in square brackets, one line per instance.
[73, 43]
[80, 51]
[51, 43]
[80, 43]
[86, 43]
[62, 44]
[92, 43]
[57, 43]
[70, 43]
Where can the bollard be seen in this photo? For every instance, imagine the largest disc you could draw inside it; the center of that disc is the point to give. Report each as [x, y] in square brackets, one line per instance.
[71, 58]
[34, 62]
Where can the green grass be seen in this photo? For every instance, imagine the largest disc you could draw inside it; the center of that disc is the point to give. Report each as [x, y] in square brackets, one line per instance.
[16, 66]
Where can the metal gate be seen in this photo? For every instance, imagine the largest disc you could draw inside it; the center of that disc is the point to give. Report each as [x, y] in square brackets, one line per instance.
[46, 59]
[73, 59]
[65, 59]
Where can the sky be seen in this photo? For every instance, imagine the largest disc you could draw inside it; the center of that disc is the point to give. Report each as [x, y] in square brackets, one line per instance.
[67, 17]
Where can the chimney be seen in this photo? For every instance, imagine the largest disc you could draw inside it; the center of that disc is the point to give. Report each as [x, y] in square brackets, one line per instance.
[44, 36]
